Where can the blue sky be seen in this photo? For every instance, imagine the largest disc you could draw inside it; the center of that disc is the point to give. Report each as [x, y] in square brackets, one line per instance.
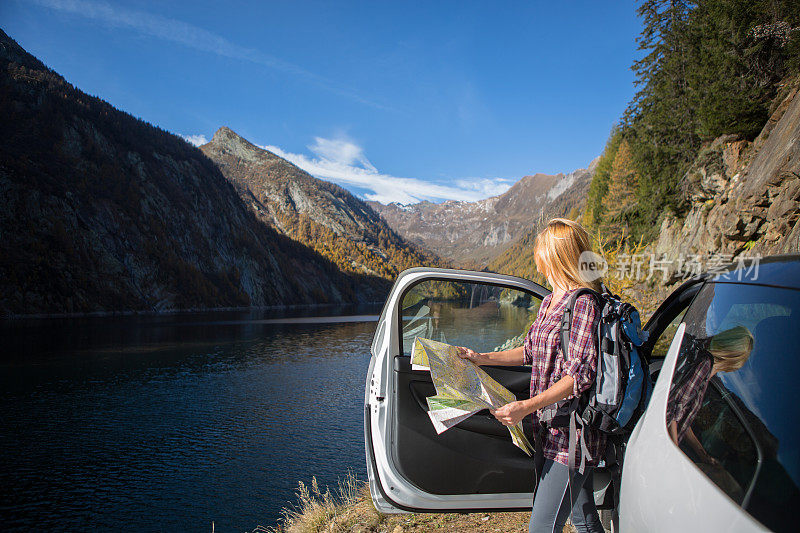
[397, 101]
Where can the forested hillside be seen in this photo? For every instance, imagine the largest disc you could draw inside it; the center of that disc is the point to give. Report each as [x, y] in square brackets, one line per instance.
[103, 212]
[706, 158]
[708, 69]
[314, 212]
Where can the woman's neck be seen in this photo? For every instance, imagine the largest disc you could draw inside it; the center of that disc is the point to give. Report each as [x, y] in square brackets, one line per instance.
[559, 291]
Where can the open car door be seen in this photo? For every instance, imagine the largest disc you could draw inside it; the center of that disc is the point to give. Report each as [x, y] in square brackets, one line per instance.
[473, 465]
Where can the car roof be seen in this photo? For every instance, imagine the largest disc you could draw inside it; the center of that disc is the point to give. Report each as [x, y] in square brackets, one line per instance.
[776, 270]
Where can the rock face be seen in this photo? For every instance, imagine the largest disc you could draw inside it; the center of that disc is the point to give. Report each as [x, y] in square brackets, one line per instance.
[743, 197]
[473, 233]
[100, 212]
[316, 213]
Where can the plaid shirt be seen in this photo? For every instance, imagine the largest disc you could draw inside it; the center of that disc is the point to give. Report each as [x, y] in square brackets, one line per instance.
[542, 350]
[687, 392]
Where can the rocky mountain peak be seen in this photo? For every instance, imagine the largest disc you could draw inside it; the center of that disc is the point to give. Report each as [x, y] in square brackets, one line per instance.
[227, 140]
[224, 135]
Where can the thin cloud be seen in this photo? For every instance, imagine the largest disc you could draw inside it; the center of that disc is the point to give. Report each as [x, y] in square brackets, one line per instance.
[195, 37]
[342, 161]
[486, 187]
[196, 140]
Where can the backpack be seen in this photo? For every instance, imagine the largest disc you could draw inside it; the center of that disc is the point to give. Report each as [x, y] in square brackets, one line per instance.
[622, 389]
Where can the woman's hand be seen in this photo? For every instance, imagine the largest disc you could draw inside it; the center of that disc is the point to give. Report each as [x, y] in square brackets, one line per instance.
[511, 413]
[471, 355]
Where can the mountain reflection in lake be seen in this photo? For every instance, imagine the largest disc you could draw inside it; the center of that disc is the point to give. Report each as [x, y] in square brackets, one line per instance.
[172, 422]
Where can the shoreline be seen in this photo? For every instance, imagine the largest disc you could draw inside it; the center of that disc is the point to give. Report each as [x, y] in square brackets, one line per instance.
[167, 312]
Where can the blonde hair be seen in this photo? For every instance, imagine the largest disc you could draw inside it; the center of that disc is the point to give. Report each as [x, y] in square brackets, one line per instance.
[731, 348]
[557, 251]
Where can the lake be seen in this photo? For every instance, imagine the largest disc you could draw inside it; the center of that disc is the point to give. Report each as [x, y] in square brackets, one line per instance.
[167, 423]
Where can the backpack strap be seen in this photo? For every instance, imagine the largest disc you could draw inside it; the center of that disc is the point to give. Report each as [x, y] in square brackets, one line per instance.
[566, 316]
[574, 420]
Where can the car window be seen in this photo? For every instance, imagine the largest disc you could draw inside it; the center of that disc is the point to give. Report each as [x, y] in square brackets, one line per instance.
[480, 316]
[732, 397]
[728, 454]
[661, 345]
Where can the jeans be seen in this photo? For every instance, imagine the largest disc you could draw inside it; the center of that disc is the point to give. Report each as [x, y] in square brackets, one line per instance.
[551, 504]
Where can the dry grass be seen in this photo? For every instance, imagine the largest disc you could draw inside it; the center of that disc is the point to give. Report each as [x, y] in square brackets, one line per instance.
[349, 509]
[318, 511]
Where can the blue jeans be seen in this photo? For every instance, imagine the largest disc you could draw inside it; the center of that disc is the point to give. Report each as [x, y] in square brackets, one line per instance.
[551, 504]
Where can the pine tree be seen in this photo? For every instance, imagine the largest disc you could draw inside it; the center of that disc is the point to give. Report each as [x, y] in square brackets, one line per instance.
[598, 188]
[620, 201]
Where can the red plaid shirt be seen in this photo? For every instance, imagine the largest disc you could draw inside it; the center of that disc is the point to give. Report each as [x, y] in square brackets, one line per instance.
[543, 352]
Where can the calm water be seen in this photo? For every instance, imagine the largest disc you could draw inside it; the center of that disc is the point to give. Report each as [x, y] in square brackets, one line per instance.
[170, 423]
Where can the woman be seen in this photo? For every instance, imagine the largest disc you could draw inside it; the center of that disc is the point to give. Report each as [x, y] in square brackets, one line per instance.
[556, 253]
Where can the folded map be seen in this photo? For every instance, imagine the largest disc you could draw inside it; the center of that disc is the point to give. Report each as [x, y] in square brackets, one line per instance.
[462, 388]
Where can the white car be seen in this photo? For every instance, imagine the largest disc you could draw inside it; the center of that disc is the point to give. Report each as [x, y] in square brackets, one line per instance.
[740, 473]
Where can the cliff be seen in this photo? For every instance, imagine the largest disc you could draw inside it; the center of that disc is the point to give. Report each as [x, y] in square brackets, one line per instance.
[102, 212]
[743, 197]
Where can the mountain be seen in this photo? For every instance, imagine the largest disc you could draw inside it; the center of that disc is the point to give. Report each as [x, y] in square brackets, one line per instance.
[317, 213]
[102, 212]
[473, 233]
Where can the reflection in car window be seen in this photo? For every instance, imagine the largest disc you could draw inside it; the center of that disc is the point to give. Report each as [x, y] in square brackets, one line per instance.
[733, 394]
[481, 316]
